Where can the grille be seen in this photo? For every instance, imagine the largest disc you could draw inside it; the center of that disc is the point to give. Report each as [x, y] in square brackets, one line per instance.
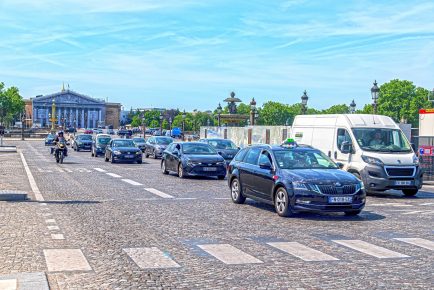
[403, 171]
[331, 189]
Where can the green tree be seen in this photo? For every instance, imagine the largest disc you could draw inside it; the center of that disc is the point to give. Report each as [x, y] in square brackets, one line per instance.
[136, 121]
[401, 99]
[337, 109]
[274, 113]
[11, 103]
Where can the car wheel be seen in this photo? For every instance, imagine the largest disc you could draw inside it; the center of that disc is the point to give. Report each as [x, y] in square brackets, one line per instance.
[353, 212]
[236, 195]
[163, 167]
[91, 153]
[410, 192]
[75, 148]
[139, 161]
[181, 172]
[146, 154]
[105, 158]
[112, 159]
[281, 203]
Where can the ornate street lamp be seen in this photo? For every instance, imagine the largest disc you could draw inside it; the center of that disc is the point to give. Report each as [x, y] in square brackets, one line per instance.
[374, 92]
[23, 119]
[252, 111]
[53, 114]
[352, 107]
[161, 123]
[304, 99]
[219, 112]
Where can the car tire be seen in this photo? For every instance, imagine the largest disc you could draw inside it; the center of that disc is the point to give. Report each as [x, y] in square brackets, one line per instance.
[91, 153]
[112, 160]
[105, 158]
[236, 193]
[410, 192]
[181, 173]
[155, 155]
[146, 154]
[282, 204]
[163, 167]
[75, 148]
[353, 212]
[139, 161]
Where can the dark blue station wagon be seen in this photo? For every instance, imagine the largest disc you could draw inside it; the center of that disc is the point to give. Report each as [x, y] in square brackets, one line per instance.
[293, 180]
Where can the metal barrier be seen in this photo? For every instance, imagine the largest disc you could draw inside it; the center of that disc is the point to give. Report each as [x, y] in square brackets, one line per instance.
[425, 151]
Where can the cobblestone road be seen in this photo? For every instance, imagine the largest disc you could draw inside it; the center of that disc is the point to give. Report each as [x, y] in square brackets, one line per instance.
[128, 226]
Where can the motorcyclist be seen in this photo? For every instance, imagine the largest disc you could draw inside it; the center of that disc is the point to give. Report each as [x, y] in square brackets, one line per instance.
[59, 137]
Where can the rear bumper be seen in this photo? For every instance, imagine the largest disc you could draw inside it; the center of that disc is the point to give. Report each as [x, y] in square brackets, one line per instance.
[375, 179]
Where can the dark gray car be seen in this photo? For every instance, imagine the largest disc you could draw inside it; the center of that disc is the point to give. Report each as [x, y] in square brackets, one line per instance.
[226, 148]
[156, 145]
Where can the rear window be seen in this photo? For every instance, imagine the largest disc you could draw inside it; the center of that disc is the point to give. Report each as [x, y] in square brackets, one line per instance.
[240, 155]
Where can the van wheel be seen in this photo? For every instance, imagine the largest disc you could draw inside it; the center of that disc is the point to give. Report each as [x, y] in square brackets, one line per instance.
[410, 192]
[282, 203]
[236, 195]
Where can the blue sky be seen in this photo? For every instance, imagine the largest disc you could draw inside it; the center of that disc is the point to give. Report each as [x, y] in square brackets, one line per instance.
[191, 54]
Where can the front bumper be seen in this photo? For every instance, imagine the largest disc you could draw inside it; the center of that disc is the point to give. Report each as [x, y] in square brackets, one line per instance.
[314, 202]
[198, 170]
[84, 146]
[375, 179]
[100, 150]
[123, 157]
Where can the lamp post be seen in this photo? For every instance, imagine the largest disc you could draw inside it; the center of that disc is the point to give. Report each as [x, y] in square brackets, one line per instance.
[53, 115]
[304, 99]
[252, 111]
[219, 112]
[23, 119]
[75, 126]
[374, 92]
[161, 123]
[352, 107]
[184, 115]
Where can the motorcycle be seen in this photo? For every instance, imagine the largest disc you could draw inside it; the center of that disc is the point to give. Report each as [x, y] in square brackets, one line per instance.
[59, 152]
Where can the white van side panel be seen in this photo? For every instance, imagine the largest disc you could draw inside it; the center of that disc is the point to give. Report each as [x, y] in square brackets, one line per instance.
[324, 139]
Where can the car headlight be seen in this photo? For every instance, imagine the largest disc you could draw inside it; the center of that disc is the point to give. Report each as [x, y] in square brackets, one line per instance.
[300, 186]
[138, 152]
[360, 186]
[117, 152]
[415, 160]
[314, 188]
[221, 163]
[192, 163]
[372, 160]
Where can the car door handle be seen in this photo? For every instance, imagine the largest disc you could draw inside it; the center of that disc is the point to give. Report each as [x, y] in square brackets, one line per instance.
[336, 154]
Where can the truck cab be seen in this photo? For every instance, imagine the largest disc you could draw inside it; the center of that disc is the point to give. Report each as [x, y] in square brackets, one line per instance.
[372, 147]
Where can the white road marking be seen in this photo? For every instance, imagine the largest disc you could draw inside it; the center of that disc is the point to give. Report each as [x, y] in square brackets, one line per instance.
[427, 244]
[229, 254]
[390, 204]
[43, 170]
[159, 193]
[427, 203]
[46, 214]
[83, 170]
[57, 237]
[132, 182]
[100, 169]
[428, 212]
[301, 251]
[53, 228]
[50, 221]
[223, 198]
[370, 249]
[66, 260]
[8, 284]
[43, 204]
[150, 258]
[151, 198]
[412, 212]
[33, 185]
[113, 175]
[59, 169]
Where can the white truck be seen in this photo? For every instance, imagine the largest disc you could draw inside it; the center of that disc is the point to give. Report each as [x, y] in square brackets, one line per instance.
[372, 147]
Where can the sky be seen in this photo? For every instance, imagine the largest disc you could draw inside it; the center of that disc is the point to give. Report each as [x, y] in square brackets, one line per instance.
[191, 54]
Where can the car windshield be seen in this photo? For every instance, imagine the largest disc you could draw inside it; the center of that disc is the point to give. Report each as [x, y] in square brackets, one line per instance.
[222, 144]
[303, 159]
[382, 140]
[123, 143]
[163, 141]
[85, 137]
[139, 140]
[104, 140]
[198, 149]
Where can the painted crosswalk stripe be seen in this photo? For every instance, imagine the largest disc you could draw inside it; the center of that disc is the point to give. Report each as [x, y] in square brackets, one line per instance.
[8, 284]
[370, 249]
[66, 260]
[57, 237]
[301, 251]
[83, 170]
[132, 182]
[50, 221]
[229, 254]
[428, 212]
[60, 169]
[113, 175]
[100, 169]
[151, 258]
[427, 244]
[159, 193]
[53, 228]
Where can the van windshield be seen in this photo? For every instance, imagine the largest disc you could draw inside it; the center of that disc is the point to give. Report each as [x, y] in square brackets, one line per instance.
[382, 140]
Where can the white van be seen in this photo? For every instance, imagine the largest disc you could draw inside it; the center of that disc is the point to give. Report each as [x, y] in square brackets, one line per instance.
[372, 147]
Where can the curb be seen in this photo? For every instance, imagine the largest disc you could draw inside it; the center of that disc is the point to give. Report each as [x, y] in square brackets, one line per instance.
[8, 149]
[11, 195]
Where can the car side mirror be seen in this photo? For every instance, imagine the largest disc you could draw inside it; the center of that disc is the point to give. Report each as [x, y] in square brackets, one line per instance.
[413, 146]
[340, 165]
[346, 147]
[265, 165]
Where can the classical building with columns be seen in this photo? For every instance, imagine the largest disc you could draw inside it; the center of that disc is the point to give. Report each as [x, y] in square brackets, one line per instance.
[74, 110]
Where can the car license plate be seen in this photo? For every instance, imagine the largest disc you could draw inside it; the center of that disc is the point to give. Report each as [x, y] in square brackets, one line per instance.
[129, 156]
[340, 199]
[403, 182]
[209, 169]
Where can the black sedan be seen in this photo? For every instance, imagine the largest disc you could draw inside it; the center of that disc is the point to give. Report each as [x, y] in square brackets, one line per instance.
[140, 143]
[193, 159]
[82, 142]
[49, 139]
[123, 150]
[226, 148]
[156, 145]
[293, 180]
